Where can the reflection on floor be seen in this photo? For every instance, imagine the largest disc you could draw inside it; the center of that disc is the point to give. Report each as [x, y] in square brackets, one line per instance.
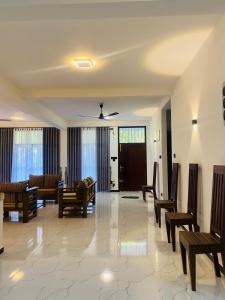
[117, 253]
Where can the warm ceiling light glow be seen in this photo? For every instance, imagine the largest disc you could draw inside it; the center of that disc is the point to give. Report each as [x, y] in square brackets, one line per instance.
[106, 276]
[84, 63]
[172, 56]
[18, 118]
[16, 275]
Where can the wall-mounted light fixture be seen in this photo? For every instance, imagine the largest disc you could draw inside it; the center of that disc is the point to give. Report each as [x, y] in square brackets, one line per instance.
[194, 123]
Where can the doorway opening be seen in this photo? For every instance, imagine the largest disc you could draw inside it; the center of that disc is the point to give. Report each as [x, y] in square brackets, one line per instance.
[132, 158]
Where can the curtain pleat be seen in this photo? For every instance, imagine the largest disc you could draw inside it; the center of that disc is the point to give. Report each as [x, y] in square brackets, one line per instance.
[103, 159]
[27, 153]
[6, 151]
[88, 150]
[51, 150]
[73, 154]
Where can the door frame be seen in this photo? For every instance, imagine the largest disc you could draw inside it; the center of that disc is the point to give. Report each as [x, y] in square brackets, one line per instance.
[119, 150]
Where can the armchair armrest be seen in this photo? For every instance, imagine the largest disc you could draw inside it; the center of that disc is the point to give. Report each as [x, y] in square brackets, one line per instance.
[60, 184]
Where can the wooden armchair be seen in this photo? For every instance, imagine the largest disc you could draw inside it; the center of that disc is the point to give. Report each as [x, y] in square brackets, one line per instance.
[214, 242]
[20, 198]
[189, 218]
[150, 188]
[76, 200]
[170, 204]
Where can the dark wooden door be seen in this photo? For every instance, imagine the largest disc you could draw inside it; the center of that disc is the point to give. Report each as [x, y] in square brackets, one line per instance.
[132, 166]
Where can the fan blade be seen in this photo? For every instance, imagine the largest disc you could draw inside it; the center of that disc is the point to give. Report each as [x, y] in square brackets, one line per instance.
[113, 114]
[85, 116]
[5, 120]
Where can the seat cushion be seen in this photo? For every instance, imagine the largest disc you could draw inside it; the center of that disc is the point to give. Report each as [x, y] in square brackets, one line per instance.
[36, 180]
[46, 190]
[13, 187]
[82, 184]
[12, 205]
[50, 181]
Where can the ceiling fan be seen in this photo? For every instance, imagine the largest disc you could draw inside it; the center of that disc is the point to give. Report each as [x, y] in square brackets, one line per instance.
[5, 120]
[101, 116]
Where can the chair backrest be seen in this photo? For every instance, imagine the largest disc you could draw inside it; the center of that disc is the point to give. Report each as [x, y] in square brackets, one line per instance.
[174, 182]
[217, 224]
[154, 173]
[193, 190]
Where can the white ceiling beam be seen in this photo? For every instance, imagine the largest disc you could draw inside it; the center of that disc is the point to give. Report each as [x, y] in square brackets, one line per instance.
[54, 93]
[12, 96]
[33, 11]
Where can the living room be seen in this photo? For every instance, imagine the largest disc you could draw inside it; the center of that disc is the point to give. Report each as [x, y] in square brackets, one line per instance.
[112, 169]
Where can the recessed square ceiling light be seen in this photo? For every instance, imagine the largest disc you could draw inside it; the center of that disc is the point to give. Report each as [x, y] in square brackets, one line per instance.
[84, 63]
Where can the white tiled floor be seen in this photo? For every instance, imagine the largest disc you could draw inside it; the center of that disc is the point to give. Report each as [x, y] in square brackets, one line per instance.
[117, 253]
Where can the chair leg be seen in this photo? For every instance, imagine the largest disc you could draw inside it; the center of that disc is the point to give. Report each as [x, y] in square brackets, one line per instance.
[84, 211]
[168, 231]
[144, 194]
[216, 264]
[173, 235]
[223, 259]
[190, 227]
[159, 215]
[192, 267]
[196, 227]
[184, 258]
[156, 214]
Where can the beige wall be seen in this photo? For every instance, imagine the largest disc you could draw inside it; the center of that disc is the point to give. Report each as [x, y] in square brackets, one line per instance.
[159, 148]
[198, 94]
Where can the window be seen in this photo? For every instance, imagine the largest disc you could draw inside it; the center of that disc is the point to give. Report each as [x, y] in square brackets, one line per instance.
[131, 135]
[89, 155]
[27, 153]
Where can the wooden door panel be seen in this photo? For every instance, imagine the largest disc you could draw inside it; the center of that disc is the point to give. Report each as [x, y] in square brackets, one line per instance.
[132, 166]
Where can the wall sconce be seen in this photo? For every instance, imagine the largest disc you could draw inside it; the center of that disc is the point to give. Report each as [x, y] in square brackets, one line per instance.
[194, 123]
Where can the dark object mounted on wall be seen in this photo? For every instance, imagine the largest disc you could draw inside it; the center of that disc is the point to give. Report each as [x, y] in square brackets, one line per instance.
[224, 103]
[114, 158]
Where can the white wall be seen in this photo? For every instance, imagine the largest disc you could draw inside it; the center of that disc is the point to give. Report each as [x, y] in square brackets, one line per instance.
[198, 94]
[114, 153]
[158, 150]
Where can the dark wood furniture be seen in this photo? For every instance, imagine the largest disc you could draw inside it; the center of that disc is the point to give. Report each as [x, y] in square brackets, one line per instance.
[150, 188]
[174, 219]
[75, 201]
[17, 197]
[48, 186]
[214, 242]
[170, 204]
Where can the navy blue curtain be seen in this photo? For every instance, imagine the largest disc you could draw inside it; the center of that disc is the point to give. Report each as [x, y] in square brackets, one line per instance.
[103, 159]
[51, 150]
[6, 152]
[73, 155]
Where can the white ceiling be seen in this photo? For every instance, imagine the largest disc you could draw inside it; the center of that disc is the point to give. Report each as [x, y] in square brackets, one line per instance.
[130, 108]
[139, 45]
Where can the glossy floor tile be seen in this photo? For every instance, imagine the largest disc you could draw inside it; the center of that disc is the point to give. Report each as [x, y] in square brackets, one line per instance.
[117, 253]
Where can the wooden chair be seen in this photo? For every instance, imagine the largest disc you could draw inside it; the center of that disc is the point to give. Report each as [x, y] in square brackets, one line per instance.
[150, 188]
[174, 219]
[170, 204]
[214, 242]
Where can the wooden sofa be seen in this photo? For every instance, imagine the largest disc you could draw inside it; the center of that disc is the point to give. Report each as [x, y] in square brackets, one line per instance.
[18, 197]
[48, 186]
[75, 200]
